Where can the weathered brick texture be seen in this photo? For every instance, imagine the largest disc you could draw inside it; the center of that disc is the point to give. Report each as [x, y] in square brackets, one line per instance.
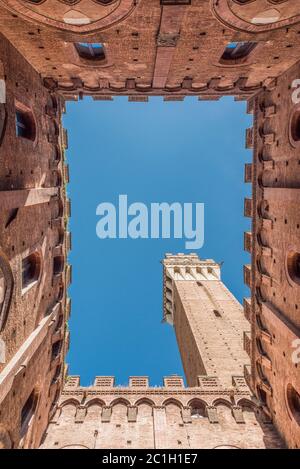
[171, 49]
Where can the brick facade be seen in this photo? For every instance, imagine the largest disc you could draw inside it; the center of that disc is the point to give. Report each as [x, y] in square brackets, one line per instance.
[172, 416]
[33, 234]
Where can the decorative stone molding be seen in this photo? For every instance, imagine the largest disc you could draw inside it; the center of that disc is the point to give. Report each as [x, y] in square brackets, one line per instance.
[231, 17]
[73, 20]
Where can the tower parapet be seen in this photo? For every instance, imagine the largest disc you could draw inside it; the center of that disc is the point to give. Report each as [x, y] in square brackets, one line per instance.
[184, 267]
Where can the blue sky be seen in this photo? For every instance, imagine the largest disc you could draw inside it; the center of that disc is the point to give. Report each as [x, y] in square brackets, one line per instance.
[189, 151]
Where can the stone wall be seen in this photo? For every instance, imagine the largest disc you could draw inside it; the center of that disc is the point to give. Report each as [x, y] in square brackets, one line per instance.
[103, 416]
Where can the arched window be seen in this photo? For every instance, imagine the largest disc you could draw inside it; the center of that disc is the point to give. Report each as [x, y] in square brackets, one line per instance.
[2, 351]
[56, 155]
[237, 51]
[25, 123]
[28, 412]
[58, 265]
[119, 413]
[295, 126]
[260, 347]
[70, 2]
[198, 410]
[173, 413]
[2, 290]
[59, 322]
[262, 395]
[293, 266]
[31, 268]
[56, 348]
[2, 121]
[55, 400]
[226, 447]
[90, 50]
[56, 374]
[6, 289]
[105, 2]
[293, 398]
[243, 1]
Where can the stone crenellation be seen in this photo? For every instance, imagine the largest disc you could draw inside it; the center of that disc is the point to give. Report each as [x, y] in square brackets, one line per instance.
[143, 382]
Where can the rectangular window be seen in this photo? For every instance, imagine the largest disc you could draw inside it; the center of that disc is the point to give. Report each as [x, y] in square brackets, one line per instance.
[25, 123]
[90, 50]
[20, 124]
[31, 266]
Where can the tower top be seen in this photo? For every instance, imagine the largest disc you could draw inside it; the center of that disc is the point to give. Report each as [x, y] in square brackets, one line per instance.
[187, 259]
[185, 267]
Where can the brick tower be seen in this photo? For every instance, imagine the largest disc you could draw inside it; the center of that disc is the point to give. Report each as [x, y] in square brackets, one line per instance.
[208, 320]
[53, 51]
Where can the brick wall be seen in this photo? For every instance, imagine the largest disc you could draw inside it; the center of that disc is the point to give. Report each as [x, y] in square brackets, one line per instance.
[166, 417]
[32, 226]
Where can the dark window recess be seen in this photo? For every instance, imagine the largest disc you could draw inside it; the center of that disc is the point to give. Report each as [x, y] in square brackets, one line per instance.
[52, 103]
[70, 2]
[31, 267]
[60, 294]
[105, 2]
[57, 374]
[262, 395]
[25, 125]
[28, 412]
[11, 217]
[90, 50]
[260, 347]
[3, 287]
[58, 265]
[56, 155]
[2, 121]
[55, 400]
[198, 410]
[175, 2]
[295, 126]
[293, 398]
[217, 313]
[59, 322]
[56, 348]
[238, 51]
[293, 266]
